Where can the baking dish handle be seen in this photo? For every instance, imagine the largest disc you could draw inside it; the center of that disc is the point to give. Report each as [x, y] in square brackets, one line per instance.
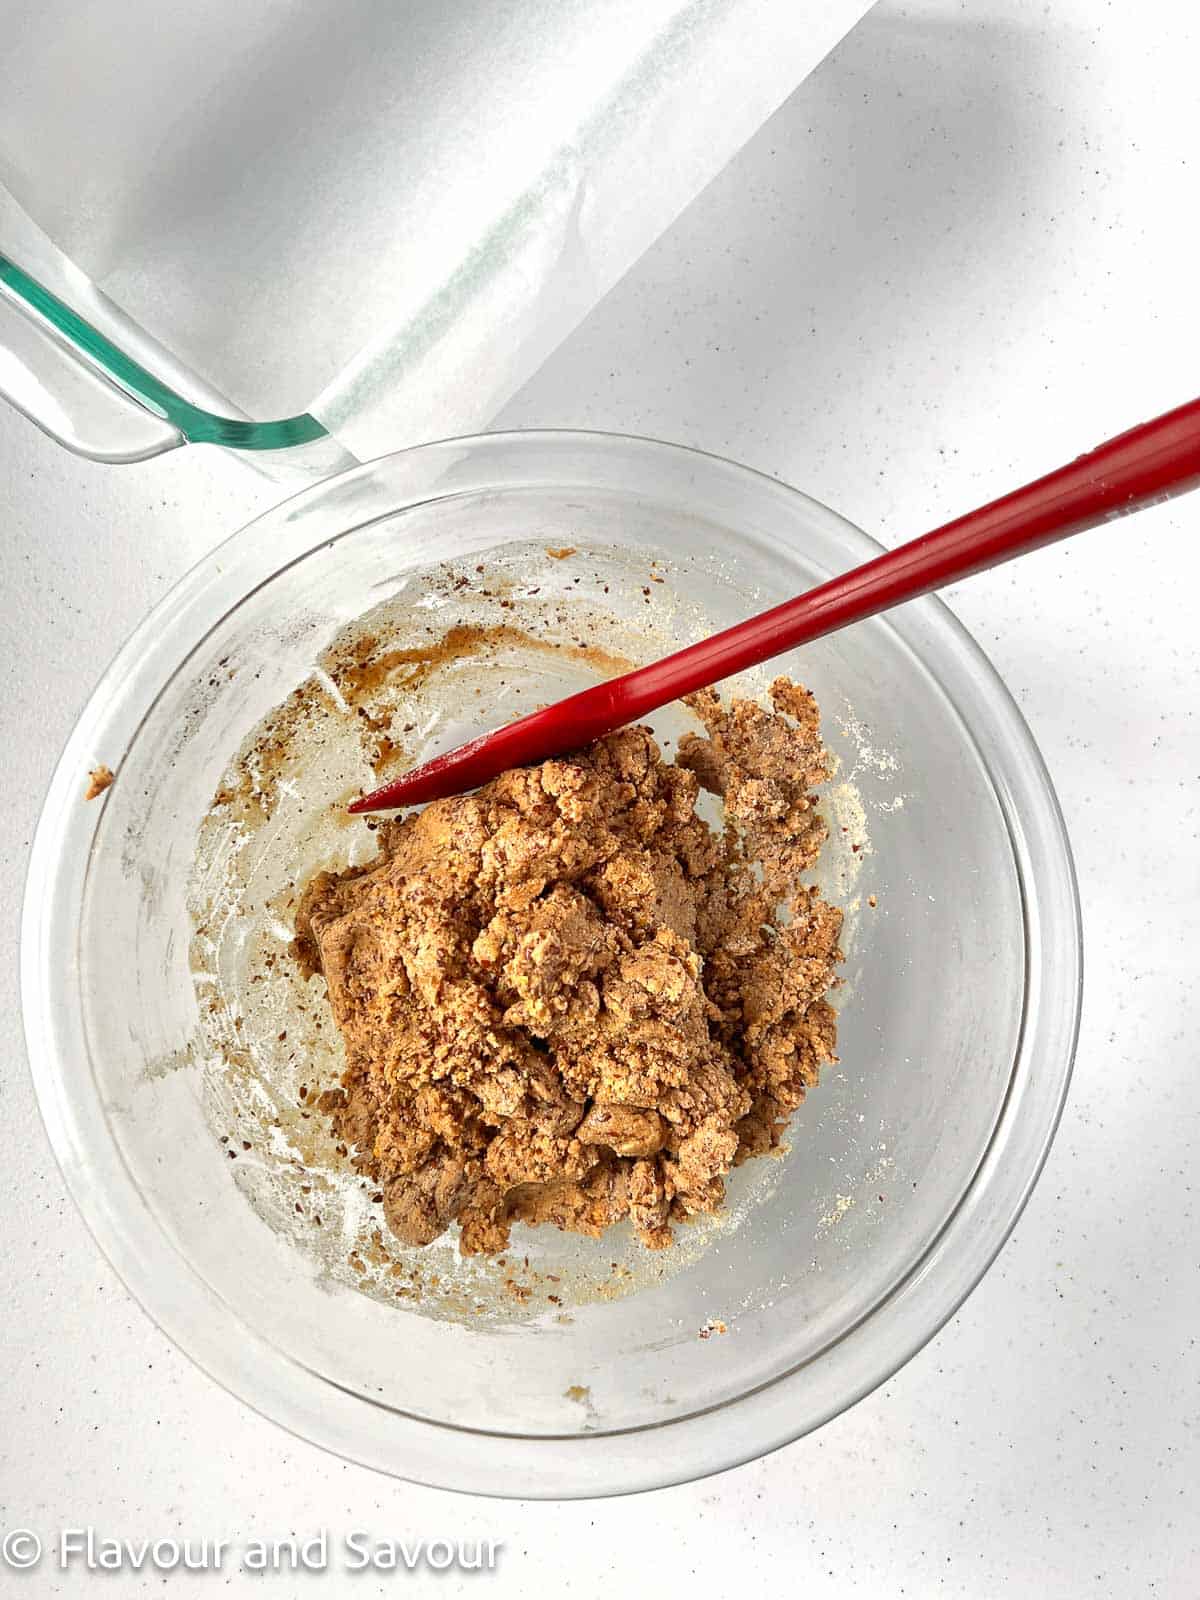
[94, 398]
[44, 376]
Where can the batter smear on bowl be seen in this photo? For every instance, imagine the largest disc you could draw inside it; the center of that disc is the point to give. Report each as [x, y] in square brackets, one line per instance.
[565, 998]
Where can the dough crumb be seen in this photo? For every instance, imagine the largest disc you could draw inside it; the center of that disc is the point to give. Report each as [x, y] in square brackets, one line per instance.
[566, 999]
[99, 779]
[561, 552]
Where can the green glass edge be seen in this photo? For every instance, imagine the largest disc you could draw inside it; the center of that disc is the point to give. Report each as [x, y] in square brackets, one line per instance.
[194, 423]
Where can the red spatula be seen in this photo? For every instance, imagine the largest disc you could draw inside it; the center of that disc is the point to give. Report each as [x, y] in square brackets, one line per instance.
[1138, 468]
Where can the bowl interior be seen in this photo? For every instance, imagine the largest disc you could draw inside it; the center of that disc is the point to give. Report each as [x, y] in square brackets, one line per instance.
[605, 1338]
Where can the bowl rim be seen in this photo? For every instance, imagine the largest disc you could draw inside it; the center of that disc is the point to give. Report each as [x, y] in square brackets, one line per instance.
[510, 1465]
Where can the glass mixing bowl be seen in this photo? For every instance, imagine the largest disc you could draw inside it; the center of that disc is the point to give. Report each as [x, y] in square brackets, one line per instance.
[907, 1167]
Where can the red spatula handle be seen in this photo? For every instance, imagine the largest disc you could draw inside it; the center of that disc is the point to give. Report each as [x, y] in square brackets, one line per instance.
[1147, 464]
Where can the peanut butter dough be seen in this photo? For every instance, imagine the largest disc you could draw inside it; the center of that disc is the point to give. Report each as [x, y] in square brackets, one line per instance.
[99, 779]
[566, 999]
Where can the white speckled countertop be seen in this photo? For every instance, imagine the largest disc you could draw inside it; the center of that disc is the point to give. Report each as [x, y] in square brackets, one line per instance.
[963, 252]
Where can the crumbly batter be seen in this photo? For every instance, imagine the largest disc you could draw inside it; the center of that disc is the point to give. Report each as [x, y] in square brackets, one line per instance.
[99, 779]
[566, 999]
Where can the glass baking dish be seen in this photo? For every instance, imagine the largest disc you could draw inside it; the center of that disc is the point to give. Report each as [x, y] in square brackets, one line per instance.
[268, 226]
